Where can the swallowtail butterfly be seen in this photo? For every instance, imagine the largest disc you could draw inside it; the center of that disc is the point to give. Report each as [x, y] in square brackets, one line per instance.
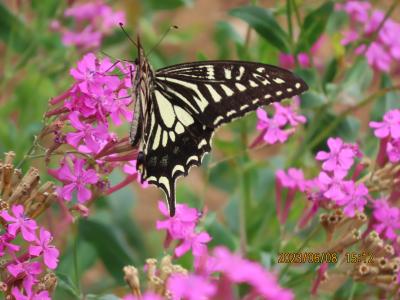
[178, 108]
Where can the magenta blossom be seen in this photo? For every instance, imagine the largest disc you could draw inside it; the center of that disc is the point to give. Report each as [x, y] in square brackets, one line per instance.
[195, 241]
[272, 128]
[94, 21]
[387, 217]
[26, 270]
[43, 295]
[50, 253]
[340, 157]
[358, 10]
[239, 270]
[390, 125]
[75, 179]
[333, 186]
[19, 222]
[93, 137]
[291, 116]
[130, 168]
[293, 178]
[190, 287]
[393, 150]
[355, 198]
[90, 72]
[5, 244]
[180, 225]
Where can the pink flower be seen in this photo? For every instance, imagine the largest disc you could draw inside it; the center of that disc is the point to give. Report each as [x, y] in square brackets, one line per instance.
[332, 186]
[390, 125]
[93, 137]
[119, 107]
[340, 157]
[378, 57]
[5, 244]
[239, 270]
[388, 219]
[75, 179]
[50, 253]
[90, 73]
[355, 198]
[294, 178]
[288, 61]
[272, 128]
[349, 37]
[190, 287]
[180, 225]
[19, 222]
[393, 150]
[27, 271]
[358, 10]
[43, 295]
[97, 19]
[195, 241]
[130, 168]
[291, 116]
[87, 38]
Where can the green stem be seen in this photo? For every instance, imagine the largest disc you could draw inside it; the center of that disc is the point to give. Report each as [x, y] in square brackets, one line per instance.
[75, 258]
[302, 246]
[296, 13]
[290, 24]
[352, 291]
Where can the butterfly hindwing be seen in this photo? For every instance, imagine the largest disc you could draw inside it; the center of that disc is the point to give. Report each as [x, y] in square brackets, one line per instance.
[188, 101]
[172, 150]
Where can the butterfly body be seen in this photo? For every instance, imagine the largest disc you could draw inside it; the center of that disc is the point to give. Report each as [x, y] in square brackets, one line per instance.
[179, 107]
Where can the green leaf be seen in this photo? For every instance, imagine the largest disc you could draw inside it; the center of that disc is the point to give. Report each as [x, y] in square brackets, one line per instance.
[313, 26]
[263, 21]
[330, 72]
[224, 34]
[312, 99]
[387, 101]
[109, 245]
[220, 234]
[103, 297]
[166, 5]
[64, 282]
[13, 31]
[357, 80]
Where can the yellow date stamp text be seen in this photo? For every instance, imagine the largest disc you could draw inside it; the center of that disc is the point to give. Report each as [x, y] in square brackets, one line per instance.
[307, 257]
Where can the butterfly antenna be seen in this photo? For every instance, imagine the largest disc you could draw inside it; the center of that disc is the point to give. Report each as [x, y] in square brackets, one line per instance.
[161, 39]
[127, 35]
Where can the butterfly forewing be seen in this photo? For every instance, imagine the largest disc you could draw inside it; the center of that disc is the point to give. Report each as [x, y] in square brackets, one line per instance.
[190, 100]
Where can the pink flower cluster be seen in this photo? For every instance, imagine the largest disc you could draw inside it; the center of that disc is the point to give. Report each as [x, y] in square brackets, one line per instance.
[93, 21]
[279, 127]
[84, 115]
[288, 61]
[182, 228]
[215, 274]
[364, 22]
[26, 265]
[388, 131]
[331, 187]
